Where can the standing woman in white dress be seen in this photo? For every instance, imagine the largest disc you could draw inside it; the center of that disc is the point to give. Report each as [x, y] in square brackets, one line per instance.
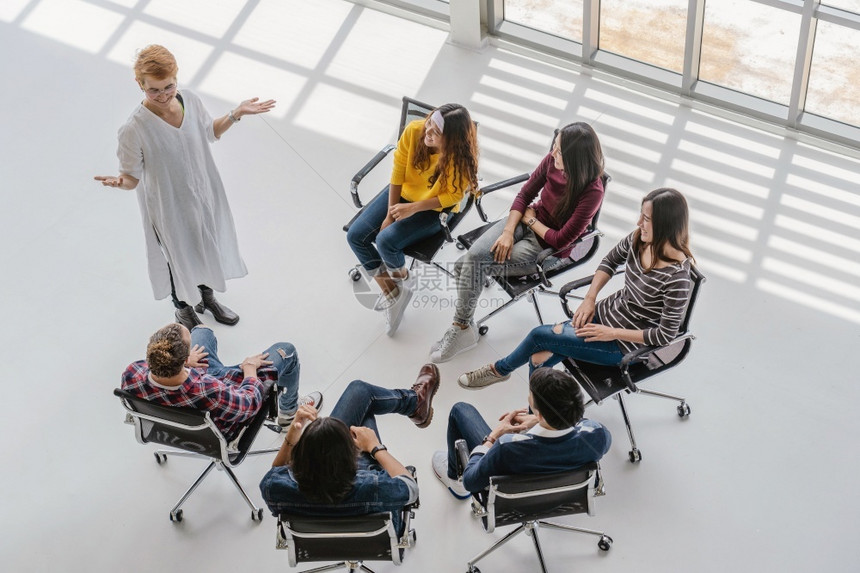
[164, 153]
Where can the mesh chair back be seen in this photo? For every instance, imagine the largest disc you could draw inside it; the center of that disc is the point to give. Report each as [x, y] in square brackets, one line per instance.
[410, 111]
[182, 428]
[343, 538]
[519, 498]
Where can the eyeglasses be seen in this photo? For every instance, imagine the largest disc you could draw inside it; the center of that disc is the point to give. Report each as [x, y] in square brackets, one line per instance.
[154, 93]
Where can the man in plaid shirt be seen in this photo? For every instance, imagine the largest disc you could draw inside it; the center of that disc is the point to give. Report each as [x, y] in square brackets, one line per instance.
[182, 368]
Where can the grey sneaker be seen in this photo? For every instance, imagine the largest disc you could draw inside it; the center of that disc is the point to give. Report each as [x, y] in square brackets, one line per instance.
[440, 468]
[483, 376]
[394, 313]
[454, 341]
[315, 399]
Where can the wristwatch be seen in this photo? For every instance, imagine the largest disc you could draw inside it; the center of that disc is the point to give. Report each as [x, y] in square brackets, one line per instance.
[378, 448]
[531, 222]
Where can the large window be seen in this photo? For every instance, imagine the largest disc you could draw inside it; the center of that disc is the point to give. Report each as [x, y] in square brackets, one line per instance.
[562, 18]
[651, 31]
[834, 80]
[753, 54]
[786, 61]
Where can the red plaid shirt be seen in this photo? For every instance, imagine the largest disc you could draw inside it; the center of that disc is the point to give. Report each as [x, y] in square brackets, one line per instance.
[230, 401]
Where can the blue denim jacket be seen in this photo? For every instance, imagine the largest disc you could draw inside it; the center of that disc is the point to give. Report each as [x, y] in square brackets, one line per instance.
[373, 491]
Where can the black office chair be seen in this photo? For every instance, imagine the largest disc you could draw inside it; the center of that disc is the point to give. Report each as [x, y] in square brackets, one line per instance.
[602, 382]
[350, 539]
[539, 282]
[192, 433]
[527, 500]
[425, 249]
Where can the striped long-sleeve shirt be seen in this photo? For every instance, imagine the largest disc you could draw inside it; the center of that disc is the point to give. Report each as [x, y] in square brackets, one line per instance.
[653, 302]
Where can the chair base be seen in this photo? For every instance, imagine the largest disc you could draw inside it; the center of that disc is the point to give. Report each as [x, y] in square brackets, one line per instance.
[351, 566]
[176, 512]
[531, 528]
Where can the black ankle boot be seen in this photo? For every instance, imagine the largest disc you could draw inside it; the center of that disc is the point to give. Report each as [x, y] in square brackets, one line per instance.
[187, 317]
[221, 313]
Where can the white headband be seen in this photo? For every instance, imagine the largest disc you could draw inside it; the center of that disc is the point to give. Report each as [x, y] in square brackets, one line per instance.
[436, 117]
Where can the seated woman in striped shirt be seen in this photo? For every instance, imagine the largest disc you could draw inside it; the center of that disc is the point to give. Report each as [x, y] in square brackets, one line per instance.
[648, 310]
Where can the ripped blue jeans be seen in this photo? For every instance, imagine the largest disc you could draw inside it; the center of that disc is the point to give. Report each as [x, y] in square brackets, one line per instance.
[562, 345]
[284, 359]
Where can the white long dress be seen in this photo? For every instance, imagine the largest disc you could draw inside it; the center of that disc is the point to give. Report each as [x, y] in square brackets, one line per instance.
[182, 201]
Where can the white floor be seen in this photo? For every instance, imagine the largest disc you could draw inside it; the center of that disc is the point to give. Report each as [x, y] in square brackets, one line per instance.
[761, 477]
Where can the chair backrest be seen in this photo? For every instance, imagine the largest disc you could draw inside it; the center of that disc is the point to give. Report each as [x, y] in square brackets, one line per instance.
[342, 538]
[529, 497]
[411, 110]
[674, 352]
[182, 428]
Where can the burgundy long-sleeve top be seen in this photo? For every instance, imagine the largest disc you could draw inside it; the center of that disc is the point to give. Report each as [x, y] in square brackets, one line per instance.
[551, 183]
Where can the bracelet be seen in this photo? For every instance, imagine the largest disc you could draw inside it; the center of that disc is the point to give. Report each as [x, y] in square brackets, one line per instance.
[531, 222]
[233, 118]
[488, 438]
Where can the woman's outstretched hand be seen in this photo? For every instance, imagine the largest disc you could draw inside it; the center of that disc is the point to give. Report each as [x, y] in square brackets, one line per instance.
[253, 106]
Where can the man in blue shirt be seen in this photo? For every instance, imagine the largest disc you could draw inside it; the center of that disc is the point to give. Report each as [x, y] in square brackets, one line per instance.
[338, 465]
[550, 436]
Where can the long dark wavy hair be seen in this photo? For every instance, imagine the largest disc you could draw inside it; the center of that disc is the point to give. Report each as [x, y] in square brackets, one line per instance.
[324, 461]
[459, 148]
[669, 225]
[582, 157]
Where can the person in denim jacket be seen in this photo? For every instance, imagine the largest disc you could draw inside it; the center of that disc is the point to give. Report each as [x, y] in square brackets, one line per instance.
[338, 465]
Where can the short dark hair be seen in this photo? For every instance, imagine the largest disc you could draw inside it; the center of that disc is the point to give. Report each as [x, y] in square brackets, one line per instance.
[556, 395]
[167, 352]
[324, 461]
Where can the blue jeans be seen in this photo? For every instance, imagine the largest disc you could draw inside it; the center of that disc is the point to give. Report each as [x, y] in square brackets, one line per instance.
[361, 402]
[391, 241]
[472, 268]
[565, 344]
[464, 422]
[284, 359]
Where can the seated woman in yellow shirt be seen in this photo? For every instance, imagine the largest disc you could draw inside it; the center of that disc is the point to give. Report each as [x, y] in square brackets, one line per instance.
[435, 163]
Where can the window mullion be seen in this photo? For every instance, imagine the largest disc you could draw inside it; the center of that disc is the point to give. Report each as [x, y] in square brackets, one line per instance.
[803, 62]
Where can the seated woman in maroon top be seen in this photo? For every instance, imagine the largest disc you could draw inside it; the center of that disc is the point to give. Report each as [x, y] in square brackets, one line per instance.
[571, 192]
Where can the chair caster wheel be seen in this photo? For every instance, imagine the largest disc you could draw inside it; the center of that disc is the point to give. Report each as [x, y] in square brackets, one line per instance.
[684, 410]
[635, 455]
[605, 543]
[482, 330]
[473, 570]
[257, 514]
[176, 516]
[354, 274]
[160, 458]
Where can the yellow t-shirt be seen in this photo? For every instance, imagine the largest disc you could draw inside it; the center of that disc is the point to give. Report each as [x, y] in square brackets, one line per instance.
[416, 184]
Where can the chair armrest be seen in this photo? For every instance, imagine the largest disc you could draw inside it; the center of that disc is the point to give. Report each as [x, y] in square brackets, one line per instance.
[356, 179]
[571, 286]
[443, 220]
[462, 456]
[495, 187]
[641, 354]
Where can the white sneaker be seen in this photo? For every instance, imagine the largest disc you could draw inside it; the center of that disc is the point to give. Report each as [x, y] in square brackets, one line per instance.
[394, 312]
[440, 468]
[455, 341]
[314, 399]
[483, 376]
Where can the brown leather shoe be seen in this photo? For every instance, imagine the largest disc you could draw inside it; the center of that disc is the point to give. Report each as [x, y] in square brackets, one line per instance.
[425, 386]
